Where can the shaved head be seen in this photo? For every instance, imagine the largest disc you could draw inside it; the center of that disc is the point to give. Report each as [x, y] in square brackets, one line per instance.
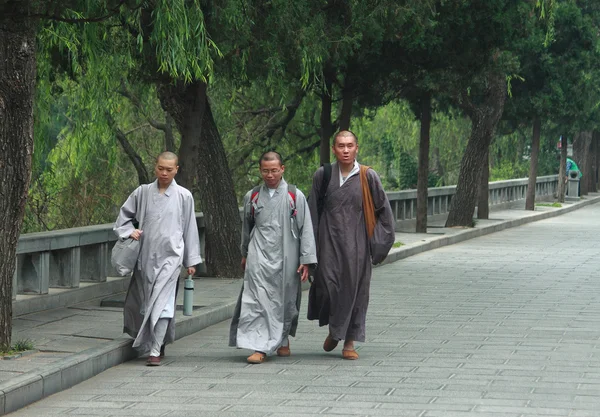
[345, 134]
[270, 156]
[169, 156]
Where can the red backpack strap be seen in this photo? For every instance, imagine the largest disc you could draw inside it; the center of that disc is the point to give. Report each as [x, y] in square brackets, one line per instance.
[292, 193]
[254, 199]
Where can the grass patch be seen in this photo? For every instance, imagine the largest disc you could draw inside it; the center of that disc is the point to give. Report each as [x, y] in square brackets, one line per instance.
[397, 244]
[19, 346]
[558, 205]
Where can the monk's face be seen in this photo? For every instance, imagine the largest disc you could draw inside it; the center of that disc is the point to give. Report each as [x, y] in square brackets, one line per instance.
[165, 171]
[345, 149]
[271, 172]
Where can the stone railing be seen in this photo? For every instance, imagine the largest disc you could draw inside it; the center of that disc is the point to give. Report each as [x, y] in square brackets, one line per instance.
[502, 194]
[65, 258]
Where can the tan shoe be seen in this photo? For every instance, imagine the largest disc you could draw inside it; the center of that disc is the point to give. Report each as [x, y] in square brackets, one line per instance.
[284, 350]
[256, 358]
[329, 344]
[349, 354]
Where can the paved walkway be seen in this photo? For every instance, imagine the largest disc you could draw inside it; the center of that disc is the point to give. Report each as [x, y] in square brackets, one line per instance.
[502, 325]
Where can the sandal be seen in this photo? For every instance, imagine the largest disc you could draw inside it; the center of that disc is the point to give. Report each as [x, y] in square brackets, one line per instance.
[349, 354]
[284, 350]
[330, 344]
[256, 357]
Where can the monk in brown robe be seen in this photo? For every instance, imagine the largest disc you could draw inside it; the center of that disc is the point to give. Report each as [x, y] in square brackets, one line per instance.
[339, 295]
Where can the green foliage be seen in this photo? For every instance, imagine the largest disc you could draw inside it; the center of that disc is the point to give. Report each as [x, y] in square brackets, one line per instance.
[397, 244]
[20, 345]
[265, 87]
[557, 205]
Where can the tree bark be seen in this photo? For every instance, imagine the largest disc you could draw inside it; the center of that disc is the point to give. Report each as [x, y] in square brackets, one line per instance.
[484, 118]
[346, 112]
[423, 169]
[17, 89]
[437, 164]
[134, 157]
[592, 188]
[562, 169]
[533, 164]
[222, 223]
[326, 124]
[595, 161]
[186, 103]
[169, 138]
[581, 148]
[207, 174]
[483, 192]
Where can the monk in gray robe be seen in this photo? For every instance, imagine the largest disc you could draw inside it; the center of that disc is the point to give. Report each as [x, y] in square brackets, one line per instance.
[277, 248]
[339, 295]
[168, 235]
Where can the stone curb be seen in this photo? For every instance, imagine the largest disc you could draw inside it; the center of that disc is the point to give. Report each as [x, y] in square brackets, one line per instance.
[404, 252]
[32, 386]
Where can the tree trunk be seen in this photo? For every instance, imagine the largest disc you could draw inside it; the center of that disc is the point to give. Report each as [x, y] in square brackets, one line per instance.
[17, 88]
[169, 138]
[437, 164]
[346, 112]
[186, 103]
[581, 147]
[483, 192]
[591, 178]
[533, 164]
[218, 203]
[562, 169]
[484, 118]
[595, 161]
[203, 154]
[134, 157]
[589, 164]
[326, 124]
[423, 169]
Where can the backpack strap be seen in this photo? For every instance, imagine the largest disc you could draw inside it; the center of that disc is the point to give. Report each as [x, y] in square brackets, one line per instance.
[323, 189]
[292, 193]
[254, 199]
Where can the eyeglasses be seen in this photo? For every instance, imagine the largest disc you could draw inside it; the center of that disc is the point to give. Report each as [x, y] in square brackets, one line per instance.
[272, 171]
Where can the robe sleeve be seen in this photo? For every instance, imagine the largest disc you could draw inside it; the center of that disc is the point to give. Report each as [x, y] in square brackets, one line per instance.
[124, 227]
[384, 234]
[308, 249]
[191, 240]
[313, 199]
[247, 224]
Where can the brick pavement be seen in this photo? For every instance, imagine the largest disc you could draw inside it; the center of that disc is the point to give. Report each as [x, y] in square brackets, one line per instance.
[501, 325]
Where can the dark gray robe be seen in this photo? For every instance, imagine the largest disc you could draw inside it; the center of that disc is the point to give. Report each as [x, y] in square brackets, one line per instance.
[339, 295]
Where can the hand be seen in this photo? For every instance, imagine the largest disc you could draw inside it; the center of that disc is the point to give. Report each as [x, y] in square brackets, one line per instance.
[191, 270]
[243, 264]
[303, 271]
[136, 234]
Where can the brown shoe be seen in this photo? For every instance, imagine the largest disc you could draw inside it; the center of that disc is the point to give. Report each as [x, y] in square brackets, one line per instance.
[284, 350]
[329, 344]
[349, 354]
[153, 361]
[256, 358]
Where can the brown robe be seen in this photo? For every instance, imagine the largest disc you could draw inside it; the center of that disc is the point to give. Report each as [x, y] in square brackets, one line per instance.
[339, 295]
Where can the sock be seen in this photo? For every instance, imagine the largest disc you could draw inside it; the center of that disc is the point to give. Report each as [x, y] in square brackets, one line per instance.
[160, 330]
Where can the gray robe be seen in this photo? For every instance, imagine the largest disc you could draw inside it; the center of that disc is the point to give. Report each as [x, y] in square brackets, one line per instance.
[339, 295]
[169, 240]
[269, 302]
